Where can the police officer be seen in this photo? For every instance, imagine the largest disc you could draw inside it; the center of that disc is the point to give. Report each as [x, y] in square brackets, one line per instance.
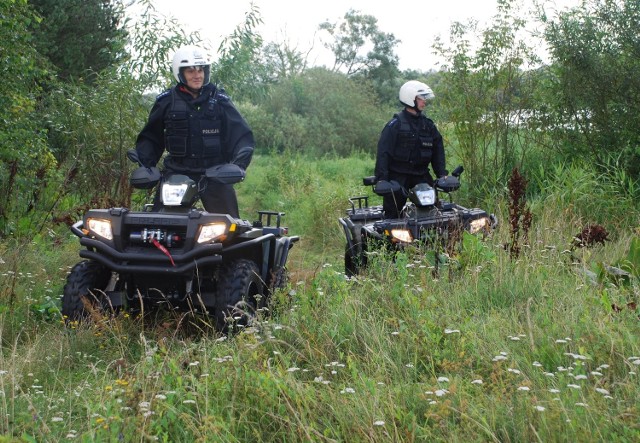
[408, 144]
[196, 122]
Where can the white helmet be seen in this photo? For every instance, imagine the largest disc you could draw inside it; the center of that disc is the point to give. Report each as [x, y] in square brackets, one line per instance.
[190, 56]
[413, 88]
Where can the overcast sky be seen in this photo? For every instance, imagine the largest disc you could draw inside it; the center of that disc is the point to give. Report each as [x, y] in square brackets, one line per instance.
[416, 23]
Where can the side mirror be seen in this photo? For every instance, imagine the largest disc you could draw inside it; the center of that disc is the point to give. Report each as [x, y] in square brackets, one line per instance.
[226, 174]
[456, 172]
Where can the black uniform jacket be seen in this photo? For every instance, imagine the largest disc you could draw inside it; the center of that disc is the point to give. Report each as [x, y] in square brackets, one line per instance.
[409, 149]
[211, 109]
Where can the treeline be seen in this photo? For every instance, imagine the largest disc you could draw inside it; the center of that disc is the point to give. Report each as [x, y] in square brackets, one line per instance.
[80, 77]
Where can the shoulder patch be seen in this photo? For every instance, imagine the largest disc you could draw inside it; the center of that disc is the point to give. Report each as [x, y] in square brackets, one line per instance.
[223, 97]
[392, 122]
[163, 94]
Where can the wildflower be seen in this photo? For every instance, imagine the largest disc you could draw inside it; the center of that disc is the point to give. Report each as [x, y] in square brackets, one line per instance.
[451, 331]
[294, 369]
[602, 391]
[348, 391]
[144, 405]
[580, 377]
[395, 333]
[540, 408]
[194, 363]
[499, 358]
[515, 371]
[570, 385]
[189, 402]
[561, 341]
[378, 423]
[524, 388]
[554, 391]
[409, 365]
[537, 364]
[57, 419]
[549, 374]
[443, 380]
[161, 396]
[596, 373]
[582, 404]
[514, 338]
[477, 382]
[441, 392]
[433, 402]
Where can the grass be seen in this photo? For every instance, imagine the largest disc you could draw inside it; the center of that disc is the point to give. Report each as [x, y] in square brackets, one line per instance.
[488, 349]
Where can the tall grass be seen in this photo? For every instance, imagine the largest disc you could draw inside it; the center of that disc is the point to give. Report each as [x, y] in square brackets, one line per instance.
[485, 348]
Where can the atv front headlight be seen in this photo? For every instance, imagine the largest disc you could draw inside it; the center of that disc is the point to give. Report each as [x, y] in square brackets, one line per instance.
[172, 194]
[481, 224]
[426, 197]
[402, 235]
[100, 228]
[211, 232]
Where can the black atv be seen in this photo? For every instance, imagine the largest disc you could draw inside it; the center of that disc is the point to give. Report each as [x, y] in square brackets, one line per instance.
[426, 220]
[176, 256]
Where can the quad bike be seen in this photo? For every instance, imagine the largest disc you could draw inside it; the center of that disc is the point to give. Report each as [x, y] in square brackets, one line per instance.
[174, 255]
[426, 220]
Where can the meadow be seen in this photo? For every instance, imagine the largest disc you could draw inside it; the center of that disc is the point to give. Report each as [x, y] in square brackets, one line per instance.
[541, 346]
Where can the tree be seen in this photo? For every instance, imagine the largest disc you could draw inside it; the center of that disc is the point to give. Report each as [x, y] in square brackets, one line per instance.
[486, 91]
[24, 156]
[79, 37]
[595, 90]
[360, 48]
[238, 68]
[282, 61]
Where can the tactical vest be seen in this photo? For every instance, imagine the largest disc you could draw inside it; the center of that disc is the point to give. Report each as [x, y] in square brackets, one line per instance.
[193, 136]
[414, 146]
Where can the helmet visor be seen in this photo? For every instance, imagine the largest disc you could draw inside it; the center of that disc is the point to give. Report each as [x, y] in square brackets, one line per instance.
[193, 69]
[424, 97]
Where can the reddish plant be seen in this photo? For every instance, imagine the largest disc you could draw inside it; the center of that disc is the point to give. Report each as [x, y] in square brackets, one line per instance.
[520, 216]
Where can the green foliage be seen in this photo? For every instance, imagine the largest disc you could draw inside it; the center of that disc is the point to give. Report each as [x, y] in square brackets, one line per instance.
[79, 37]
[354, 34]
[351, 36]
[486, 94]
[238, 68]
[319, 112]
[397, 354]
[595, 48]
[25, 160]
[153, 39]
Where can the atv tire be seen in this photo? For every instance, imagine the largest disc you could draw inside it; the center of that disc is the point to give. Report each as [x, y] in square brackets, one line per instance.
[355, 260]
[84, 287]
[240, 294]
[279, 279]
